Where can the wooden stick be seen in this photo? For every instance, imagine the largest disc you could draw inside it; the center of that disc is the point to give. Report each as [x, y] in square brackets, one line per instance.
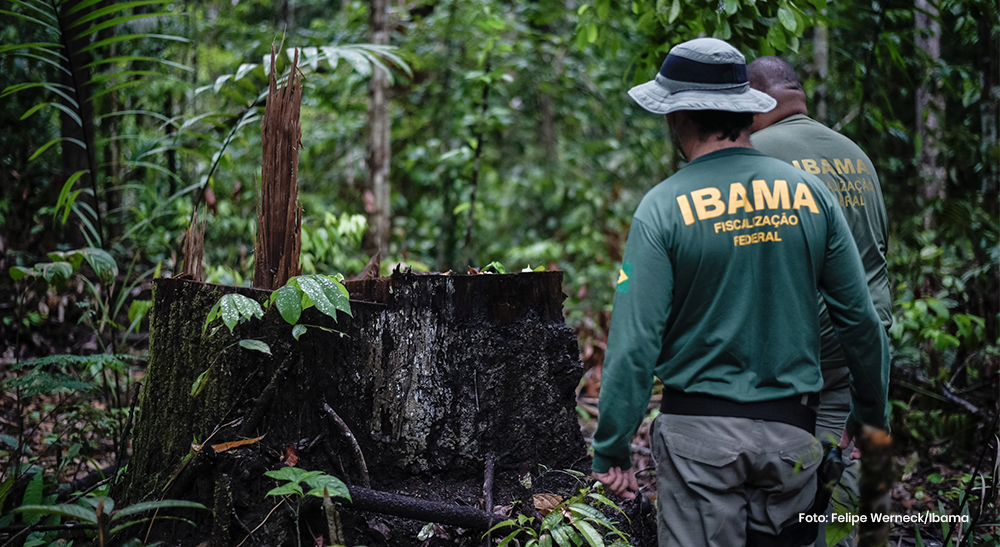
[346, 431]
[365, 499]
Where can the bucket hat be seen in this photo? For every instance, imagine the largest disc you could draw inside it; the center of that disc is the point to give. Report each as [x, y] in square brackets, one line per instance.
[702, 74]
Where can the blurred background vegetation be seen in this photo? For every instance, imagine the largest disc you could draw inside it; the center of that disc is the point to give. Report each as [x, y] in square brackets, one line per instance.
[512, 140]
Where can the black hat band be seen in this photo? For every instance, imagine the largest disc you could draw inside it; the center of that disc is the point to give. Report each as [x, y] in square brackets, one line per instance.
[682, 69]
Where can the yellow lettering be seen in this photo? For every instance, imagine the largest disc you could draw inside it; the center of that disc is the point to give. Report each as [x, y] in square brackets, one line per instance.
[862, 168]
[762, 196]
[827, 168]
[705, 198]
[810, 165]
[738, 198]
[861, 197]
[804, 198]
[847, 166]
[682, 201]
[796, 164]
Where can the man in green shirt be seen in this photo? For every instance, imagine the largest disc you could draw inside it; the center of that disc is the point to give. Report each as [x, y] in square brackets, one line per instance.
[787, 133]
[717, 297]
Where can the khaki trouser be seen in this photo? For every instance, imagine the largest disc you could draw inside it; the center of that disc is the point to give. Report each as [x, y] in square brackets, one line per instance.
[834, 405]
[718, 477]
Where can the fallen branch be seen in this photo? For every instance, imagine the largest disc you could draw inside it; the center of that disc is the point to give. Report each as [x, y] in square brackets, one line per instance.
[365, 499]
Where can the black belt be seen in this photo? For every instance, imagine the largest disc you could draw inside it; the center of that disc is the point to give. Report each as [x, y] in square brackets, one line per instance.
[799, 410]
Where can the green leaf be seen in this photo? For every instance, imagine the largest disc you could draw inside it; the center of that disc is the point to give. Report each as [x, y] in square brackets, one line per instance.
[838, 530]
[552, 520]
[5, 488]
[135, 542]
[787, 18]
[160, 504]
[592, 33]
[298, 330]
[138, 309]
[286, 489]
[334, 486]
[510, 537]
[675, 10]
[230, 312]
[54, 141]
[212, 314]
[66, 198]
[294, 474]
[126, 37]
[776, 38]
[586, 511]
[561, 535]
[101, 261]
[732, 6]
[55, 273]
[288, 299]
[315, 292]
[117, 6]
[34, 45]
[589, 534]
[248, 307]
[335, 292]
[256, 345]
[199, 383]
[496, 266]
[69, 511]
[19, 272]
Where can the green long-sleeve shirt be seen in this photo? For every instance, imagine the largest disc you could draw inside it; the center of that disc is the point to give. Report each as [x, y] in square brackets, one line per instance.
[716, 295]
[850, 177]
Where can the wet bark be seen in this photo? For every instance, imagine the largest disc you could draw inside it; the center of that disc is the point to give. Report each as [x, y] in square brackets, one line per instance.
[430, 374]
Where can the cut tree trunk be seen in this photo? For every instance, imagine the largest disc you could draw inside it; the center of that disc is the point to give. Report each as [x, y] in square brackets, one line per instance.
[429, 375]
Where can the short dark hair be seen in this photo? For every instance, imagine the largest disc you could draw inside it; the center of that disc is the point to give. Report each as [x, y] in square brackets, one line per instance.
[768, 71]
[712, 122]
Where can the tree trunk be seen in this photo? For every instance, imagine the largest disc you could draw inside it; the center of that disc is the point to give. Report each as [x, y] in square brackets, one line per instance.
[378, 138]
[987, 104]
[930, 108]
[821, 59]
[430, 374]
[74, 157]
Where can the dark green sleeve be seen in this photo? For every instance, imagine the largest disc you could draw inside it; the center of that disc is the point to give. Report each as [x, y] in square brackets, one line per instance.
[866, 346]
[642, 304]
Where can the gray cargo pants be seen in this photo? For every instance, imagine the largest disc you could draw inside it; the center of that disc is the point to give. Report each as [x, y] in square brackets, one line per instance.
[718, 477]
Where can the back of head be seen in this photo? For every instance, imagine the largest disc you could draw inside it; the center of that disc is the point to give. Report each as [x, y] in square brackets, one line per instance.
[776, 77]
[770, 71]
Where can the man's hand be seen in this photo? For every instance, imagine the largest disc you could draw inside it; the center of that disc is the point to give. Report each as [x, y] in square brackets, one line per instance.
[620, 482]
[845, 441]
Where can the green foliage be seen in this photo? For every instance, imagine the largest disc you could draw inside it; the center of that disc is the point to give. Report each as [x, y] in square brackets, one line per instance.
[67, 263]
[90, 511]
[756, 28]
[318, 482]
[234, 309]
[575, 521]
[60, 373]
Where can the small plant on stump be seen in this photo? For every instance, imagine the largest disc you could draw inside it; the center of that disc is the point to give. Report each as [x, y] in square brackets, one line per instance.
[322, 486]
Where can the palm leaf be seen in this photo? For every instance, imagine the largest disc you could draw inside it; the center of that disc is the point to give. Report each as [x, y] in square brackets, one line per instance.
[87, 27]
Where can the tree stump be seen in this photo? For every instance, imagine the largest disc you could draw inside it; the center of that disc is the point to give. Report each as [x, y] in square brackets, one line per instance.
[430, 374]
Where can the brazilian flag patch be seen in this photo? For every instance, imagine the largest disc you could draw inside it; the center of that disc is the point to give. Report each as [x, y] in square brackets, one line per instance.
[623, 274]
